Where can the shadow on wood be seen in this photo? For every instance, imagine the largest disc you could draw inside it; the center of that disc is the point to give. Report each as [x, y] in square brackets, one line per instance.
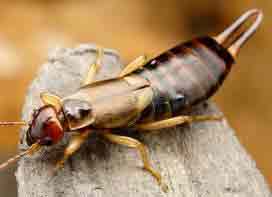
[202, 159]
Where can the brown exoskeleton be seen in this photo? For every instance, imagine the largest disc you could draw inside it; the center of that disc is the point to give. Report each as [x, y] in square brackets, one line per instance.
[147, 95]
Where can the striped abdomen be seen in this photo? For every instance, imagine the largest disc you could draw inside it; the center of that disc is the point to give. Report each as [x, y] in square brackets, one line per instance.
[185, 75]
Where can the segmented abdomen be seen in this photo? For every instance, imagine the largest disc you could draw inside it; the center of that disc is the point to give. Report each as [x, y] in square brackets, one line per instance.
[185, 75]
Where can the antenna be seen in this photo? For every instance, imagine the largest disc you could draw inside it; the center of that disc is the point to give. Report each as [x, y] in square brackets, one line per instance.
[34, 148]
[15, 123]
[30, 150]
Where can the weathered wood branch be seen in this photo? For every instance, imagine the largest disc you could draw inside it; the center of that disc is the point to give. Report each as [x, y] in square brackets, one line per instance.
[202, 159]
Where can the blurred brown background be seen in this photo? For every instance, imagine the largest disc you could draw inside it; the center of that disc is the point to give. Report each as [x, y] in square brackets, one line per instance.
[29, 29]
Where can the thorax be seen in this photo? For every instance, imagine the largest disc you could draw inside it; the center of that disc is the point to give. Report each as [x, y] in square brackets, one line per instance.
[105, 104]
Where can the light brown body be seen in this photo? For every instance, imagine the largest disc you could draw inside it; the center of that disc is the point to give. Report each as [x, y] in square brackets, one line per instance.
[121, 102]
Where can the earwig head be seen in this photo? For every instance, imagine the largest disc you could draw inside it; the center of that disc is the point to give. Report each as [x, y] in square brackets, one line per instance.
[45, 128]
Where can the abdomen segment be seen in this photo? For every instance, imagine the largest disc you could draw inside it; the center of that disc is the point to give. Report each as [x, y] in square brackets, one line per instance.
[185, 75]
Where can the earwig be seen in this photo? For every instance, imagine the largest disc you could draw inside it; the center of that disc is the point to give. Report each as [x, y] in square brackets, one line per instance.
[147, 95]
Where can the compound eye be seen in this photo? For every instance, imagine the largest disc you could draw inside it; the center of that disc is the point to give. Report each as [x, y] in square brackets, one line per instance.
[47, 141]
[29, 139]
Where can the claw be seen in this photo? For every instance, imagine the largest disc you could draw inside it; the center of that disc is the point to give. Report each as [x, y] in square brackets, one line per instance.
[60, 164]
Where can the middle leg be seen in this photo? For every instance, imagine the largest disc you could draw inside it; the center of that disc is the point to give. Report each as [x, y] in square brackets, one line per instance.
[94, 68]
[134, 65]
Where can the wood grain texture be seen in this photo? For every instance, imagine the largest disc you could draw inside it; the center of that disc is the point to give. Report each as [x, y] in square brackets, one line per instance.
[202, 159]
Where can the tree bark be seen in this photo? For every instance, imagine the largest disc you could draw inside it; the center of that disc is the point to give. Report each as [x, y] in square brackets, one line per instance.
[200, 159]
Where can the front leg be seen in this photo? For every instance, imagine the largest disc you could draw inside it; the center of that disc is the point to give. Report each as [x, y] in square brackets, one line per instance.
[75, 143]
[51, 99]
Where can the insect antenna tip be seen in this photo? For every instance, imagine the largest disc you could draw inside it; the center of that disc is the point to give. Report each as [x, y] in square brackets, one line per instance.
[34, 148]
[13, 123]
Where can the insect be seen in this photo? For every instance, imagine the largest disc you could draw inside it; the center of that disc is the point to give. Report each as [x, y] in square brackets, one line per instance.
[147, 95]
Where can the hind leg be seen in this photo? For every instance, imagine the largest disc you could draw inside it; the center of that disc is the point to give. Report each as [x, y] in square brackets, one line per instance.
[171, 122]
[133, 143]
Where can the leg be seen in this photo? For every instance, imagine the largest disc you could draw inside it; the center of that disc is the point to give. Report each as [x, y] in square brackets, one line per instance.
[171, 122]
[133, 143]
[74, 144]
[51, 99]
[134, 65]
[94, 67]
